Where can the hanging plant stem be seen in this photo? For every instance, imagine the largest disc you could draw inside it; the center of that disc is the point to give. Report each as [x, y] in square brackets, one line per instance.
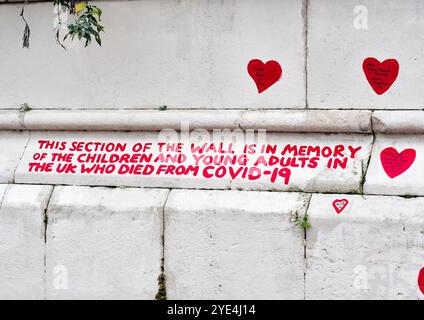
[27, 31]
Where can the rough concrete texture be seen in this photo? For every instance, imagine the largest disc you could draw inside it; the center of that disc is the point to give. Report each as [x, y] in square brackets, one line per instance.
[233, 245]
[125, 120]
[399, 122]
[336, 51]
[410, 171]
[12, 146]
[22, 230]
[328, 121]
[104, 243]
[286, 120]
[11, 120]
[320, 178]
[373, 249]
[182, 54]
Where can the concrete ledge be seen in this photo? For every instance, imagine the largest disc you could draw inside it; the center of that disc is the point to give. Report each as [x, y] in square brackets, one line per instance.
[125, 120]
[284, 120]
[11, 120]
[331, 121]
[398, 121]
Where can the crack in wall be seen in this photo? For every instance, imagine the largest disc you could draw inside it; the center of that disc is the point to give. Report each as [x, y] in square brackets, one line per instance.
[162, 294]
[20, 158]
[4, 195]
[46, 220]
[305, 239]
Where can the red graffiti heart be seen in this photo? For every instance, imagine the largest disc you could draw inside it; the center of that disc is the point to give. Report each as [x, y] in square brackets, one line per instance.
[264, 75]
[380, 75]
[340, 204]
[421, 280]
[395, 163]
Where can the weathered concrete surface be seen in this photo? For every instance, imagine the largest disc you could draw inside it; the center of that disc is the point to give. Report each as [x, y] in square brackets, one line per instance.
[410, 181]
[373, 249]
[22, 240]
[336, 51]
[131, 120]
[328, 121]
[399, 122]
[104, 243]
[284, 120]
[183, 54]
[306, 178]
[11, 120]
[233, 245]
[12, 146]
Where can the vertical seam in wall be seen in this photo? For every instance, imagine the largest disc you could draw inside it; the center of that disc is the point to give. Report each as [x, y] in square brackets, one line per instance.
[163, 229]
[367, 165]
[4, 195]
[305, 239]
[162, 294]
[46, 220]
[22, 155]
[305, 9]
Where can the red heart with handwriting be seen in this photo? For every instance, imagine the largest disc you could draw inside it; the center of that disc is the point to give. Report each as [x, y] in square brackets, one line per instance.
[380, 75]
[421, 280]
[340, 204]
[264, 74]
[395, 163]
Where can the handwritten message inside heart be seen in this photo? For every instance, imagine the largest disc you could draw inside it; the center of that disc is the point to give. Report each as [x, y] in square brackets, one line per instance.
[264, 74]
[340, 204]
[421, 280]
[395, 163]
[380, 75]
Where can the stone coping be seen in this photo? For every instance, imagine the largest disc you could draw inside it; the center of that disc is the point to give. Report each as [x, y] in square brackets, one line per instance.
[284, 120]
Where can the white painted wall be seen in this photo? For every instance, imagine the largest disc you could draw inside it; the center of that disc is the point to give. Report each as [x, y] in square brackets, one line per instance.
[337, 50]
[107, 243]
[183, 54]
[104, 243]
[194, 54]
[371, 250]
[234, 245]
[218, 244]
[22, 232]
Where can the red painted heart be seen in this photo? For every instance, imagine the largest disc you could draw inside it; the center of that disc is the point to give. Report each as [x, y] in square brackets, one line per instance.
[340, 204]
[264, 75]
[380, 75]
[395, 163]
[421, 280]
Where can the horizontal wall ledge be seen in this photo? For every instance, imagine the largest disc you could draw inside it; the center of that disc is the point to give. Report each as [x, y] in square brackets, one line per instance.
[310, 121]
[11, 120]
[398, 121]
